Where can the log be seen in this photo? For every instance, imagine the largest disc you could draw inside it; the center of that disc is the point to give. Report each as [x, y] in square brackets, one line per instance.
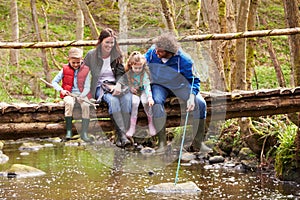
[48, 129]
[142, 41]
[47, 119]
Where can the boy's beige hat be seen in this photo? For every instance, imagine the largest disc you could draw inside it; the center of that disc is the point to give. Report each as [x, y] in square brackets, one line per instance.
[75, 53]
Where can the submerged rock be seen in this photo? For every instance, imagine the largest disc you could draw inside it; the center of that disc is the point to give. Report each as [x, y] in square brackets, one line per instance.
[186, 157]
[216, 159]
[54, 140]
[187, 187]
[48, 145]
[19, 170]
[3, 158]
[30, 146]
[1, 144]
[24, 153]
[147, 151]
[245, 154]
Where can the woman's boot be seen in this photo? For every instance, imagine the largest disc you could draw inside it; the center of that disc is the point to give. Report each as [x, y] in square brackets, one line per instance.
[118, 123]
[69, 127]
[84, 130]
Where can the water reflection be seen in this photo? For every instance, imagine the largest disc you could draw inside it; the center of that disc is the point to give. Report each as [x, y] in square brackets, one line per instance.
[90, 172]
[131, 161]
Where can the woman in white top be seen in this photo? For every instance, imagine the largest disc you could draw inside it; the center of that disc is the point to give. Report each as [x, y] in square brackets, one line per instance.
[106, 66]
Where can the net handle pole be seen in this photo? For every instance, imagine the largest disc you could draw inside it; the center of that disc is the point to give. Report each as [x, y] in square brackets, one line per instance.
[183, 136]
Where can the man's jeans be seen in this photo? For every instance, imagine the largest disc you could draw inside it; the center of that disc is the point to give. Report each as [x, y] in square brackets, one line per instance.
[161, 93]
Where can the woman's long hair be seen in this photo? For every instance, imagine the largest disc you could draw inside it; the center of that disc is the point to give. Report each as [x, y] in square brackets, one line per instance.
[116, 52]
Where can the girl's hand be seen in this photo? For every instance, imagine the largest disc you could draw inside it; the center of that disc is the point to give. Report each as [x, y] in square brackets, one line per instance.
[133, 90]
[151, 102]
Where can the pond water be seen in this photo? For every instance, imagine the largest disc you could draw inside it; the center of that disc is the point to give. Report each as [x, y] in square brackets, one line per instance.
[105, 172]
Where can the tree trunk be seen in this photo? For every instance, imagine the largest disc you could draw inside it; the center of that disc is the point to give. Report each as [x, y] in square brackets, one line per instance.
[79, 21]
[187, 13]
[210, 8]
[167, 11]
[89, 19]
[39, 39]
[251, 44]
[230, 64]
[123, 24]
[279, 73]
[200, 17]
[14, 53]
[240, 71]
[201, 68]
[293, 20]
[50, 51]
[224, 53]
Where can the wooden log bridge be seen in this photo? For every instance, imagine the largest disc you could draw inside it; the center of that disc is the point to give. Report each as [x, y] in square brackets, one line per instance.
[19, 120]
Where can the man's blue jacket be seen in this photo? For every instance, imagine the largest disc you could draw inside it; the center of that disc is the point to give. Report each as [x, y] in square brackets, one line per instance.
[176, 73]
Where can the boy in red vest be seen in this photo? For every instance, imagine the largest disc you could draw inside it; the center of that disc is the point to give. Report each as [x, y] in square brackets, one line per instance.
[75, 77]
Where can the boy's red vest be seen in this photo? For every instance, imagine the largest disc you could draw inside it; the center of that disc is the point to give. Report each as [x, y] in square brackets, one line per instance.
[68, 78]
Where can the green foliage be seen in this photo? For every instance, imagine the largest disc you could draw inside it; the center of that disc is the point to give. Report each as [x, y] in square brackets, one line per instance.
[266, 77]
[286, 151]
[272, 14]
[272, 126]
[276, 128]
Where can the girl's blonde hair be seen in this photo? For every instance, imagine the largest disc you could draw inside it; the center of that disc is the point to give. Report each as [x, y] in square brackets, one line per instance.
[134, 58]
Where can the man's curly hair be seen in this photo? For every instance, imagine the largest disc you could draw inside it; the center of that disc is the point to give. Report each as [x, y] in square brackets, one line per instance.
[167, 42]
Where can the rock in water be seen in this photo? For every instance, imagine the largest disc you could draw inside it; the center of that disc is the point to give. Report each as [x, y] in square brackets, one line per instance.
[24, 171]
[3, 158]
[187, 187]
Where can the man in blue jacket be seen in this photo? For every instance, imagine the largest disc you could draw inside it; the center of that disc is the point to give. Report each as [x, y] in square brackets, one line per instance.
[172, 75]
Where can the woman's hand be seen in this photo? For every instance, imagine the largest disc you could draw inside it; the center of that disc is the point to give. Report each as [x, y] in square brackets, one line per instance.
[116, 89]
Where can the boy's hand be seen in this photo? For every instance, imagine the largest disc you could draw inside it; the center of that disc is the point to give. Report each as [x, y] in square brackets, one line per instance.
[80, 99]
[65, 92]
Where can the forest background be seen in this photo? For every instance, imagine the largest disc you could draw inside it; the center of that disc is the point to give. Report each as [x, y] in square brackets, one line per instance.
[226, 65]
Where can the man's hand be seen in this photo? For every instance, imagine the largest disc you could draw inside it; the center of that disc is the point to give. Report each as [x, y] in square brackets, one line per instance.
[191, 103]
